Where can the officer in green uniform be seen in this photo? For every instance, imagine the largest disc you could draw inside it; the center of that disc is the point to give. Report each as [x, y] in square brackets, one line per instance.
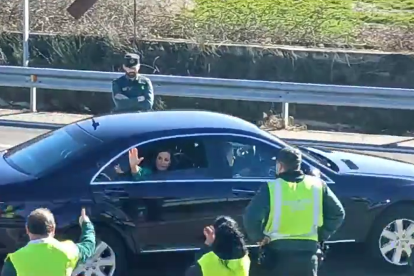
[132, 92]
[290, 216]
[46, 256]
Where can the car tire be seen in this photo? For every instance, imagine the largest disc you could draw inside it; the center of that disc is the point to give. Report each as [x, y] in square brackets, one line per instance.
[386, 234]
[108, 241]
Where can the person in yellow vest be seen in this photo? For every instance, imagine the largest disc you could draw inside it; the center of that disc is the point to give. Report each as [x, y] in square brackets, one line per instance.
[225, 252]
[290, 216]
[46, 256]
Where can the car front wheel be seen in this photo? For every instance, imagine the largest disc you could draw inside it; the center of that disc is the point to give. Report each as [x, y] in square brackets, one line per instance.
[102, 263]
[109, 258]
[392, 236]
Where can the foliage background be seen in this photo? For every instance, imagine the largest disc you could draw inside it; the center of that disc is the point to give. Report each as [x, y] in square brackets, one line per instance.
[339, 23]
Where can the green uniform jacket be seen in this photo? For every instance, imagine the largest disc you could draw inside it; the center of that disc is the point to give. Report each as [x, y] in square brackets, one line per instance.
[142, 172]
[257, 213]
[86, 248]
[132, 95]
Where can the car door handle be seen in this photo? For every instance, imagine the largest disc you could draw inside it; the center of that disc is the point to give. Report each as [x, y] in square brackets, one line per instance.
[243, 192]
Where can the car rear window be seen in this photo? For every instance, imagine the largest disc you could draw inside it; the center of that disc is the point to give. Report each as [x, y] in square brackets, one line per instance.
[49, 150]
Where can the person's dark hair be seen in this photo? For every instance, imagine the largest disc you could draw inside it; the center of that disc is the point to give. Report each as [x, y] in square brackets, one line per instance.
[41, 222]
[291, 158]
[154, 166]
[229, 242]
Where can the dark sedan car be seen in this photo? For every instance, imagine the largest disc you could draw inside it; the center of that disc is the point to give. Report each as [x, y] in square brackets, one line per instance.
[76, 166]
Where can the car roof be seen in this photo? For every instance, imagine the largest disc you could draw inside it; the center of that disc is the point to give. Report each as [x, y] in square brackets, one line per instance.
[124, 125]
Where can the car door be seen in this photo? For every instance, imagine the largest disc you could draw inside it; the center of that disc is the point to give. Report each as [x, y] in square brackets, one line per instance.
[169, 210]
[254, 166]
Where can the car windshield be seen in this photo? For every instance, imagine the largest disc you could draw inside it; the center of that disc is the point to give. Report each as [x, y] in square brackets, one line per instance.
[49, 150]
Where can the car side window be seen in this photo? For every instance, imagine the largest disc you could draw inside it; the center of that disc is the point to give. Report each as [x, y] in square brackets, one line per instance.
[247, 158]
[170, 159]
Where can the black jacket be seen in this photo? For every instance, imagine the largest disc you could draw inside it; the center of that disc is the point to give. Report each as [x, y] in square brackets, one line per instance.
[257, 213]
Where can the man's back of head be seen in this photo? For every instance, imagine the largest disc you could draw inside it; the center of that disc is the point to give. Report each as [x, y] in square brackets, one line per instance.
[290, 158]
[40, 224]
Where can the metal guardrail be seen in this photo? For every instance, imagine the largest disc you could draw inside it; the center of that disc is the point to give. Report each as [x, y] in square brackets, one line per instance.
[226, 89]
[213, 88]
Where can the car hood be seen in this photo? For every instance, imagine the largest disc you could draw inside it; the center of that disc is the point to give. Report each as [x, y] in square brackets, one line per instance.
[365, 164]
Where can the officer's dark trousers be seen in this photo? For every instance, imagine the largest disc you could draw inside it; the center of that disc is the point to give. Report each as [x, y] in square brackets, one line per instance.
[290, 263]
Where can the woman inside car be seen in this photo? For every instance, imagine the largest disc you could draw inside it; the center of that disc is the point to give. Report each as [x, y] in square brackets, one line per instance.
[225, 253]
[162, 163]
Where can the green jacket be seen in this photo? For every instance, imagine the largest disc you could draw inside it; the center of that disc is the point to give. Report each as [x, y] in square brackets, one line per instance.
[257, 213]
[142, 172]
[132, 95]
[86, 248]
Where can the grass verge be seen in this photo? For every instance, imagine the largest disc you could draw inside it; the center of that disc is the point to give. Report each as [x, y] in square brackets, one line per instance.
[378, 24]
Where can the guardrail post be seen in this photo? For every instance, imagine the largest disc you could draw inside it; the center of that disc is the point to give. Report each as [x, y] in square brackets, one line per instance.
[285, 114]
[26, 33]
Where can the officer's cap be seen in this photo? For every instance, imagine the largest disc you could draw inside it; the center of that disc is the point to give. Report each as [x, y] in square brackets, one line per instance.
[131, 60]
[290, 157]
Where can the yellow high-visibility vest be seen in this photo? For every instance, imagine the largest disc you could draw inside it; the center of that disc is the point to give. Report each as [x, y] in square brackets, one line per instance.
[295, 209]
[212, 265]
[46, 257]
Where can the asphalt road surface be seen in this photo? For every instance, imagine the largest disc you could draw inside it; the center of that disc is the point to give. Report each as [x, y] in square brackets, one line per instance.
[343, 259]
[11, 136]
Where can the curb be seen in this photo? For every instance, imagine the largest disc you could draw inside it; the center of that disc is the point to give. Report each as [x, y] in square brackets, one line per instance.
[24, 124]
